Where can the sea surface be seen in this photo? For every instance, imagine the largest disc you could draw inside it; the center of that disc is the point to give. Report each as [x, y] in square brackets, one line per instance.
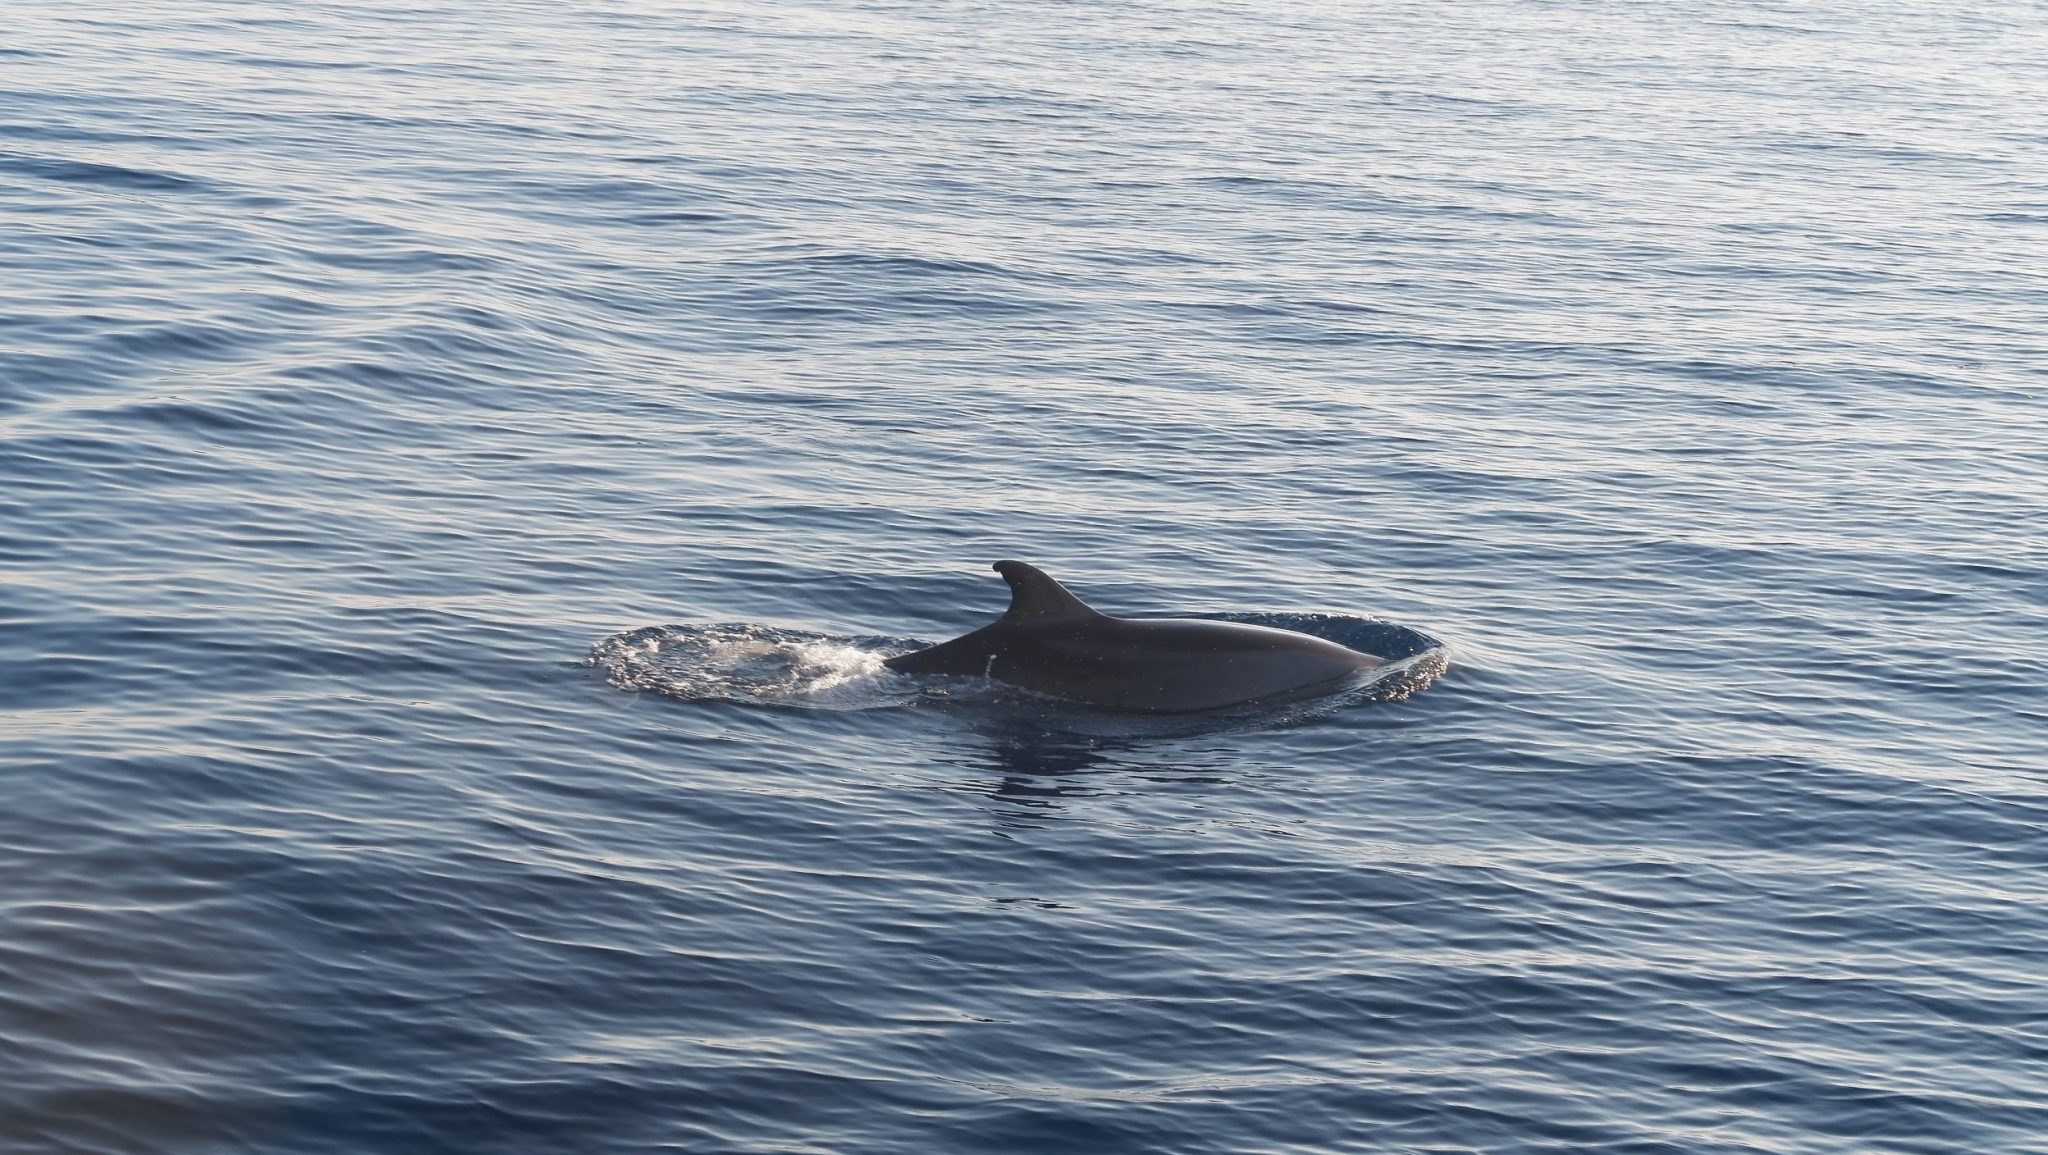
[461, 465]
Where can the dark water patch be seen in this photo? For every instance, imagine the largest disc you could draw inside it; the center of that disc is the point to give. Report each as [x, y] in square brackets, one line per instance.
[652, 194]
[57, 463]
[299, 417]
[397, 379]
[1866, 147]
[155, 344]
[92, 133]
[851, 286]
[189, 417]
[92, 173]
[75, 661]
[400, 260]
[468, 347]
[904, 266]
[284, 63]
[678, 217]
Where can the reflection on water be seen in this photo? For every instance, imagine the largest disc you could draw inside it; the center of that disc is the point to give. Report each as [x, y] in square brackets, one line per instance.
[1032, 767]
[1021, 755]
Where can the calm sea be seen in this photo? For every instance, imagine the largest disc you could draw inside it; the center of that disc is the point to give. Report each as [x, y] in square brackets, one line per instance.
[459, 464]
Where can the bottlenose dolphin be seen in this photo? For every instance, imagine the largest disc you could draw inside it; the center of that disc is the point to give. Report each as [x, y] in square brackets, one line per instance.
[1052, 642]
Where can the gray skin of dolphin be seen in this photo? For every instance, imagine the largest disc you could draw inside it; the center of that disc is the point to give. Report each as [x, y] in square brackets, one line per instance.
[1050, 641]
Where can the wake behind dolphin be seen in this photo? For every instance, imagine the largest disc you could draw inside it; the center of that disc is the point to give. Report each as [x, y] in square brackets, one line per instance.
[1052, 642]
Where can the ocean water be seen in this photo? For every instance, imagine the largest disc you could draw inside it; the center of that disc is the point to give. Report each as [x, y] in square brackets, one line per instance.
[460, 465]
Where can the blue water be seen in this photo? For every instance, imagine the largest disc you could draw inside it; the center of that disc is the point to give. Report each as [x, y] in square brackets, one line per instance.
[370, 374]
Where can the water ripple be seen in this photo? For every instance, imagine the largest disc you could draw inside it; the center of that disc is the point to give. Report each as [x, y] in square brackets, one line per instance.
[356, 373]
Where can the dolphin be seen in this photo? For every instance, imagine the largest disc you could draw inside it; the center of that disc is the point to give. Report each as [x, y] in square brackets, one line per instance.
[1051, 641]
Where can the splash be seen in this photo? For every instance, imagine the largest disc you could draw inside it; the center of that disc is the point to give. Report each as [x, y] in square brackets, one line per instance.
[754, 664]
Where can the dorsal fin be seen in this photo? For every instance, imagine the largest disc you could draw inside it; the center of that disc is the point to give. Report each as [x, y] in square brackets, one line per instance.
[1034, 597]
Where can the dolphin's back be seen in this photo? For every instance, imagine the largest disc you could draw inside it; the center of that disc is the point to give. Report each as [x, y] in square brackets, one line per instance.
[1052, 642]
[1174, 665]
